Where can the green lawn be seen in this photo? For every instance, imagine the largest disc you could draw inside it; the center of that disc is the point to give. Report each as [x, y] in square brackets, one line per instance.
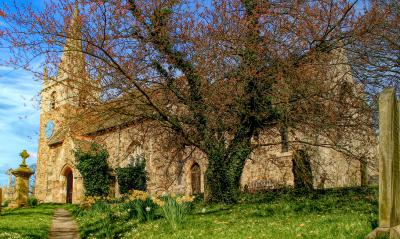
[336, 214]
[27, 222]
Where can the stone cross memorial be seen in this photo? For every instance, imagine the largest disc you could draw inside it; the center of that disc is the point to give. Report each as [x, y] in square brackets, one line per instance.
[389, 167]
[22, 175]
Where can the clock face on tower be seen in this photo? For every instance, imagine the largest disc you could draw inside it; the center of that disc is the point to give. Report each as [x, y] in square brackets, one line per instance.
[49, 129]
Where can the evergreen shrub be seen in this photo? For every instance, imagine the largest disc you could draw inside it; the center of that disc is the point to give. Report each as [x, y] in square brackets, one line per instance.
[32, 202]
[94, 169]
[132, 177]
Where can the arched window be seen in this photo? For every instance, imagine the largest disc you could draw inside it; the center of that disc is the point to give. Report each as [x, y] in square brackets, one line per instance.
[135, 154]
[195, 176]
[136, 159]
[53, 100]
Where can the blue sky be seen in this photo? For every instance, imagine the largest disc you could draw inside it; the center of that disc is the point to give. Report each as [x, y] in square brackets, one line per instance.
[19, 112]
[19, 118]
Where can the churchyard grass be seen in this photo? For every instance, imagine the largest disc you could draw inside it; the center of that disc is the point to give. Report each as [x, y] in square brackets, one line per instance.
[31, 222]
[336, 213]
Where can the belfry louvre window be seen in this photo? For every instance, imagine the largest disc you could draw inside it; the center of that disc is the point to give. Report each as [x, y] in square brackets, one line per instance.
[53, 100]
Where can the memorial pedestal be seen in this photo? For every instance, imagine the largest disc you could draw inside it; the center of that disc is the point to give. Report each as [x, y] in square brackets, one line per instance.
[22, 175]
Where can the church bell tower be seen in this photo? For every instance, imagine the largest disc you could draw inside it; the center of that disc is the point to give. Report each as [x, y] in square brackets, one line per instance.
[61, 97]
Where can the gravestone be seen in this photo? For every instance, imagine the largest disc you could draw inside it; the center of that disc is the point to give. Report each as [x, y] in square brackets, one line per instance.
[22, 175]
[389, 167]
[9, 190]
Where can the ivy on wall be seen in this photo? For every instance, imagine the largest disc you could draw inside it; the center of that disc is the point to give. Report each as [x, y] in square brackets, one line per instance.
[94, 169]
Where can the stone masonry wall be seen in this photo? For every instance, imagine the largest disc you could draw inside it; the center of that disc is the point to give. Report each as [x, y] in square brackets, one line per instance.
[170, 170]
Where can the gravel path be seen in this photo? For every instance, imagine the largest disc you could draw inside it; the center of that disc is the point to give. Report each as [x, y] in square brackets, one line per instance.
[63, 226]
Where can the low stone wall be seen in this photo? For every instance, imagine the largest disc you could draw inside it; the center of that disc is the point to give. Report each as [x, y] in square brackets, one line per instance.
[260, 174]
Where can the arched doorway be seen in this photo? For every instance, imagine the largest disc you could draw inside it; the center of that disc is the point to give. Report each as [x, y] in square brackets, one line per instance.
[69, 185]
[195, 174]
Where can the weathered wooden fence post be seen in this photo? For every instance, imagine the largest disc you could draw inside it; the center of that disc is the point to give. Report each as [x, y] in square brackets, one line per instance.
[389, 167]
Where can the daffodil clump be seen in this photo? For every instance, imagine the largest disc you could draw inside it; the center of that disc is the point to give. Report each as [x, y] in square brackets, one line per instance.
[137, 195]
[159, 202]
[89, 201]
[176, 208]
[140, 205]
[185, 199]
[145, 207]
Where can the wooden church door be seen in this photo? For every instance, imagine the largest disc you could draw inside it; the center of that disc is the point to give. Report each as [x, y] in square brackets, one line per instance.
[70, 179]
[196, 179]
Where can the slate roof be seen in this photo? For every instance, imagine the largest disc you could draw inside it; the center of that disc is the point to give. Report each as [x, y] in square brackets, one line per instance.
[90, 125]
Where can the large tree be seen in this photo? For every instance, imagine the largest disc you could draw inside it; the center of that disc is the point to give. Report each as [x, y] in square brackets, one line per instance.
[216, 75]
[376, 56]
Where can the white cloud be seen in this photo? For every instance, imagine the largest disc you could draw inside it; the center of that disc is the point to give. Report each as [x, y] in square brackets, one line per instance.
[33, 155]
[6, 68]
[19, 117]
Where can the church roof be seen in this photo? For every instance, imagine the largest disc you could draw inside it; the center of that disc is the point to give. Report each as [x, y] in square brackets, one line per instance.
[91, 124]
[106, 123]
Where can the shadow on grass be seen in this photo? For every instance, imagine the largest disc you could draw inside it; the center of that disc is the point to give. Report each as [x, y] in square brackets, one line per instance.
[26, 213]
[101, 224]
[216, 211]
[104, 229]
[32, 233]
[292, 195]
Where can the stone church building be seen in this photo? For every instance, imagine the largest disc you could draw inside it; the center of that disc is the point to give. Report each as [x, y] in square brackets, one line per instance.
[58, 180]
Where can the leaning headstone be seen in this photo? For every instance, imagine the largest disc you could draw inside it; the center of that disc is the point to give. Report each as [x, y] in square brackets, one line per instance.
[22, 175]
[389, 167]
[9, 178]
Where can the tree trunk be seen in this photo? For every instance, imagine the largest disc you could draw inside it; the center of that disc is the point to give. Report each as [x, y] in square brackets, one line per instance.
[216, 180]
[302, 172]
[224, 171]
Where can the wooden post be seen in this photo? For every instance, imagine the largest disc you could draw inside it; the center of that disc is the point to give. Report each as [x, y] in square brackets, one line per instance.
[389, 167]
